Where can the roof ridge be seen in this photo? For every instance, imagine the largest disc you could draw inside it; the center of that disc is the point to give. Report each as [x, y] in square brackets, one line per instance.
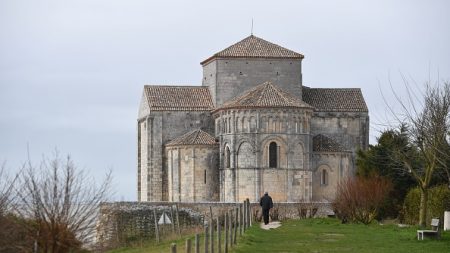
[174, 86]
[264, 91]
[193, 137]
[266, 94]
[255, 47]
[197, 132]
[329, 88]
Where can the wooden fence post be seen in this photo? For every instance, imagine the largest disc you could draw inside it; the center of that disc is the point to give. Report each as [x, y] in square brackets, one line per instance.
[173, 248]
[211, 234]
[178, 220]
[188, 246]
[250, 213]
[239, 219]
[226, 232]
[197, 243]
[219, 246]
[156, 226]
[245, 215]
[206, 241]
[230, 228]
[173, 219]
[247, 202]
[235, 224]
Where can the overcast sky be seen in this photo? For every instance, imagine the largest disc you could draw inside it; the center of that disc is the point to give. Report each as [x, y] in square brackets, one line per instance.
[72, 71]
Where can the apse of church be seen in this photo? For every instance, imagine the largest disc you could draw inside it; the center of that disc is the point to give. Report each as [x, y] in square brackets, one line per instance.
[250, 127]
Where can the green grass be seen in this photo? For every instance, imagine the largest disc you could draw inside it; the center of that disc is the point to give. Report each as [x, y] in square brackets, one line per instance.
[329, 235]
[320, 235]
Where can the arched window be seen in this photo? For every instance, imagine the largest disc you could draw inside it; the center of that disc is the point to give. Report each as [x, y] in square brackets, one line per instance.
[324, 177]
[238, 125]
[227, 157]
[252, 124]
[273, 155]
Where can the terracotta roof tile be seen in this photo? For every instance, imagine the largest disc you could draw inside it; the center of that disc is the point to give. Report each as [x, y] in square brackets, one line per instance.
[265, 95]
[322, 143]
[195, 137]
[254, 47]
[324, 99]
[178, 98]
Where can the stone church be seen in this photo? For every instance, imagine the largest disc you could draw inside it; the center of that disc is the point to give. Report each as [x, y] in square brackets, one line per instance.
[250, 127]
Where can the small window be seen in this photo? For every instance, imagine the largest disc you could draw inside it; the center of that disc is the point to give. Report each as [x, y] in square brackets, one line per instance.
[227, 157]
[204, 176]
[273, 155]
[324, 177]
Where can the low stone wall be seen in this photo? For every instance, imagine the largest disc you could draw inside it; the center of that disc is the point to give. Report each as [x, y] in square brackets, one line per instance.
[122, 222]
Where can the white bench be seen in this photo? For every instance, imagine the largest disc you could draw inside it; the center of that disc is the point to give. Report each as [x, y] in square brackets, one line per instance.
[434, 232]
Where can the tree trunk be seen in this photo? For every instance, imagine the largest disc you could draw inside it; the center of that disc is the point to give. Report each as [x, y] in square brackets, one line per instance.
[423, 207]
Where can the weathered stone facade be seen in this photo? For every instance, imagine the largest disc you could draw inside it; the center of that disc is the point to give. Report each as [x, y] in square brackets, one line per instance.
[251, 127]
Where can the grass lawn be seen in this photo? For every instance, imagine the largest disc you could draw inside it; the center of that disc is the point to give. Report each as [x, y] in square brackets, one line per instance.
[321, 235]
[329, 235]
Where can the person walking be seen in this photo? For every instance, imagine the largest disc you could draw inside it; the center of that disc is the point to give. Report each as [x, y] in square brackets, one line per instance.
[266, 204]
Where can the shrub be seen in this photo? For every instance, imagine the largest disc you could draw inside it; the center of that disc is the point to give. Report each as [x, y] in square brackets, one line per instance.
[438, 202]
[358, 199]
[14, 234]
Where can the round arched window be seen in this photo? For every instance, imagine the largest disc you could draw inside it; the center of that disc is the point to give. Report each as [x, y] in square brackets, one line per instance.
[273, 155]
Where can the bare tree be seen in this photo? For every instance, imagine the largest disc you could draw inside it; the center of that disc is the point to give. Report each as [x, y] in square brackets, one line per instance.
[428, 129]
[12, 234]
[61, 202]
[5, 190]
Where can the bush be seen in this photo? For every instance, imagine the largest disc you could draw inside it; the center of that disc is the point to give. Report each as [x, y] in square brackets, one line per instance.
[14, 234]
[438, 202]
[358, 199]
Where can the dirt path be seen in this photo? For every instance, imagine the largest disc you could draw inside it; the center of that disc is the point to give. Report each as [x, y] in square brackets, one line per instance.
[271, 225]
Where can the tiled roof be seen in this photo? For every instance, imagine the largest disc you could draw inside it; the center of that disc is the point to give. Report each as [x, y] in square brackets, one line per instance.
[322, 143]
[335, 99]
[265, 95]
[254, 47]
[196, 137]
[178, 98]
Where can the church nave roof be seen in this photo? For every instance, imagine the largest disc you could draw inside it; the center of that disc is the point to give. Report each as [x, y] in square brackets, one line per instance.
[338, 99]
[178, 98]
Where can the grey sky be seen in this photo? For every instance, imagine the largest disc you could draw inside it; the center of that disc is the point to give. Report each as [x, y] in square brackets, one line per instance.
[72, 72]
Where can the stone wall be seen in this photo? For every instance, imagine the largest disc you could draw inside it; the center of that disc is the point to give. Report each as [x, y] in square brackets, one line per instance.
[336, 166]
[248, 134]
[123, 222]
[231, 77]
[351, 129]
[154, 131]
[193, 173]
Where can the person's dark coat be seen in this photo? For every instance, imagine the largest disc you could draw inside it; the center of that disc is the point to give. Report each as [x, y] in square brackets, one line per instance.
[266, 202]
